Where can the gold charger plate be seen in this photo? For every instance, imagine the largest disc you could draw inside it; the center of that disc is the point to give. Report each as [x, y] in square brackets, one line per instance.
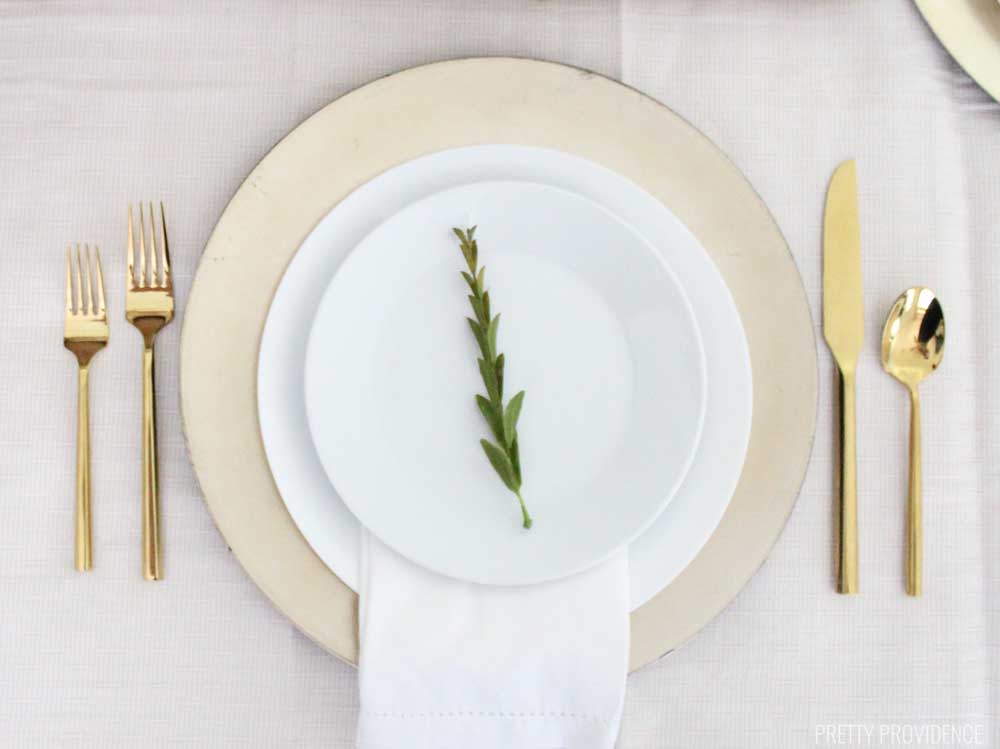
[416, 112]
[970, 31]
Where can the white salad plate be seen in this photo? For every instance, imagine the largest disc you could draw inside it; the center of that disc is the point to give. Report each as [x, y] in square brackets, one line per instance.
[660, 553]
[595, 329]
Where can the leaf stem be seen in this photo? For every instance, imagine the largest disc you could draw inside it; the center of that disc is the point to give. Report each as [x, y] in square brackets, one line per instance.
[524, 510]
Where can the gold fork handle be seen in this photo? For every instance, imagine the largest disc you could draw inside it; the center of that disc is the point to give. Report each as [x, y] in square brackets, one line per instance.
[847, 568]
[150, 495]
[83, 554]
[914, 523]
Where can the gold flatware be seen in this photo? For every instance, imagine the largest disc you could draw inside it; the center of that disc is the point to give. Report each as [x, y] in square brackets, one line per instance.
[843, 329]
[912, 347]
[149, 305]
[85, 333]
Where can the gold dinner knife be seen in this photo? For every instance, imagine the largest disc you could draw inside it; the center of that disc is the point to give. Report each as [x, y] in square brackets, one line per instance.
[843, 328]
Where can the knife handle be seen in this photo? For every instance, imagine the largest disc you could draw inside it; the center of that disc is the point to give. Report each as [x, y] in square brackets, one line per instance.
[847, 511]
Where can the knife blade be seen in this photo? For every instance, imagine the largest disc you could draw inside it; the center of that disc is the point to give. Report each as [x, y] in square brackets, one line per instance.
[843, 329]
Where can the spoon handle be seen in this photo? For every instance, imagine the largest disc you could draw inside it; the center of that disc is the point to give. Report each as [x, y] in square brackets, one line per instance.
[914, 523]
[847, 512]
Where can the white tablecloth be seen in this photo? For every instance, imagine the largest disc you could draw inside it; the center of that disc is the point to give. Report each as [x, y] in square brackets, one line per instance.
[110, 102]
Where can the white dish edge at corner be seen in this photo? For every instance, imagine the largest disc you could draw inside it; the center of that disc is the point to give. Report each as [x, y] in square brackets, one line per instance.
[970, 31]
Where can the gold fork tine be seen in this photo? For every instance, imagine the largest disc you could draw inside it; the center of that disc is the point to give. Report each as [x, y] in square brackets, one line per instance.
[79, 282]
[142, 249]
[90, 284]
[154, 277]
[166, 249]
[69, 279]
[131, 251]
[101, 309]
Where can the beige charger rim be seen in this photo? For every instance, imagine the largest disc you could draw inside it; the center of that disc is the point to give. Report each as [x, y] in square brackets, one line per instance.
[417, 112]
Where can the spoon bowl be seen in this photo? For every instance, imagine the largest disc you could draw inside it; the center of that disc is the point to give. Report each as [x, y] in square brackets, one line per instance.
[913, 337]
[912, 347]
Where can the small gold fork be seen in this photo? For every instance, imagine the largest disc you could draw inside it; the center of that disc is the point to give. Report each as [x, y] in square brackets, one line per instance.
[85, 333]
[149, 305]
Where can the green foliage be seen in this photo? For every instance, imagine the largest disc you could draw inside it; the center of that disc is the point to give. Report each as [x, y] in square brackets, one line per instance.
[504, 456]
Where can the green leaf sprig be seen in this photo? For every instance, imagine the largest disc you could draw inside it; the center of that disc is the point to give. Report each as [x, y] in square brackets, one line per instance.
[504, 456]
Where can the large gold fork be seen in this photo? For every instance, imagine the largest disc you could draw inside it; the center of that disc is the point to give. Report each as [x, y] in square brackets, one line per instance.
[149, 305]
[85, 333]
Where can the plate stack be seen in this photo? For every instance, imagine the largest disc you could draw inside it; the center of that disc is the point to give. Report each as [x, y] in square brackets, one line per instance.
[638, 274]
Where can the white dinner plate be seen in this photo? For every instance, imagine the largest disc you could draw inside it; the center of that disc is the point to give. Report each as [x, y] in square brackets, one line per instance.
[663, 551]
[594, 328]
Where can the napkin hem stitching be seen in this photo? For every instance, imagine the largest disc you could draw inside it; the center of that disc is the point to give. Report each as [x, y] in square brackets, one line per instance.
[470, 714]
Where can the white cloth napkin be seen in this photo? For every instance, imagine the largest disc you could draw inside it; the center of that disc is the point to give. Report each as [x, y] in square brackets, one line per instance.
[453, 665]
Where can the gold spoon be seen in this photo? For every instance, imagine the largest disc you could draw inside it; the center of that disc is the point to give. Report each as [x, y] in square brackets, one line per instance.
[912, 347]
